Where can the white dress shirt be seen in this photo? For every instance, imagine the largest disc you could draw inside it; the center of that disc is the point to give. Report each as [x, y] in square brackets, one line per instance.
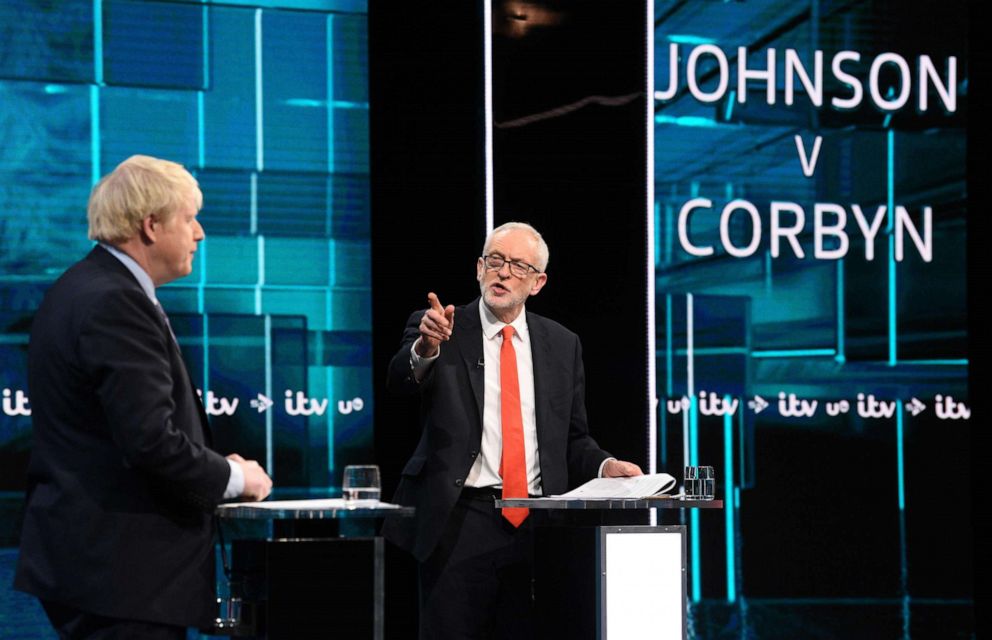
[485, 470]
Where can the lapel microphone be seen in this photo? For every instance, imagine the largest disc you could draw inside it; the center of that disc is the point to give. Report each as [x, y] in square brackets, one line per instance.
[481, 363]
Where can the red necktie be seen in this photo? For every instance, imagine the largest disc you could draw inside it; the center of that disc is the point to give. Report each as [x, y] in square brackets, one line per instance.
[513, 463]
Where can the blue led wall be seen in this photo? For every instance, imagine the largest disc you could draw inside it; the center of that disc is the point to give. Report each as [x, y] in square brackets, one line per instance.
[817, 361]
[267, 105]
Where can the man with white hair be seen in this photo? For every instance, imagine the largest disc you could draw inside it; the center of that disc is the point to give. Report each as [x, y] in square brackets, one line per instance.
[503, 412]
[118, 531]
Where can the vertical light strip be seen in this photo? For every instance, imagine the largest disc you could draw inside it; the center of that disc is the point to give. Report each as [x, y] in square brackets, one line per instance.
[728, 506]
[269, 457]
[900, 460]
[98, 42]
[201, 144]
[261, 274]
[650, 209]
[206, 353]
[259, 119]
[206, 44]
[94, 133]
[95, 91]
[487, 63]
[840, 356]
[890, 190]
[253, 204]
[697, 565]
[691, 444]
[330, 97]
[669, 384]
[202, 284]
[658, 226]
[689, 347]
[903, 559]
[331, 282]
[200, 128]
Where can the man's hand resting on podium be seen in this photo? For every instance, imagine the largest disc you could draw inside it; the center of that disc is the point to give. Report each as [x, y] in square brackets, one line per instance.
[258, 484]
[620, 469]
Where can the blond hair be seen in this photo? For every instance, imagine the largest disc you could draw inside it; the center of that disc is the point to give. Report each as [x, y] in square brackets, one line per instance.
[542, 246]
[139, 187]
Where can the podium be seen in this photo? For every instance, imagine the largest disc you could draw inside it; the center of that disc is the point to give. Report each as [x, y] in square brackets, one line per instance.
[608, 581]
[304, 580]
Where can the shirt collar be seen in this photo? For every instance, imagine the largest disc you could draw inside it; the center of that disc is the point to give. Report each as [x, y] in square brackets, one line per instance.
[491, 325]
[132, 265]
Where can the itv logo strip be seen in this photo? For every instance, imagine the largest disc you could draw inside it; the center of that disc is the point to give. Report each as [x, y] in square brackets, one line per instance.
[790, 405]
[16, 403]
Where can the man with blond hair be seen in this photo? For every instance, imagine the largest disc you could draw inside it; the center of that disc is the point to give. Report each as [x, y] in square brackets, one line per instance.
[118, 532]
[503, 411]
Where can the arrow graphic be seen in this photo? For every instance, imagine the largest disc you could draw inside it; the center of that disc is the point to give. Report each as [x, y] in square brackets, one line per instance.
[758, 404]
[262, 403]
[915, 407]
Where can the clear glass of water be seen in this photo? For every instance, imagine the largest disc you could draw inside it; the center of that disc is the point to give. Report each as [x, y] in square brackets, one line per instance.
[360, 482]
[699, 483]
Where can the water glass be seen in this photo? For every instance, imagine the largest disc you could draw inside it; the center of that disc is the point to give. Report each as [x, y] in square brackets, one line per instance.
[699, 483]
[360, 482]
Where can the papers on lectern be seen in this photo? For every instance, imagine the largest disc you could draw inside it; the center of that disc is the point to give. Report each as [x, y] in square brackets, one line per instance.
[635, 487]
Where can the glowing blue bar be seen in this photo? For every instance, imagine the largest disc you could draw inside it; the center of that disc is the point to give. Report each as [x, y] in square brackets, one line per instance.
[713, 351]
[201, 285]
[330, 95]
[668, 344]
[951, 363]
[201, 138]
[728, 509]
[206, 44]
[793, 353]
[694, 513]
[269, 454]
[693, 432]
[890, 188]
[697, 586]
[688, 121]
[98, 41]
[685, 38]
[259, 104]
[94, 133]
[730, 105]
[899, 456]
[840, 357]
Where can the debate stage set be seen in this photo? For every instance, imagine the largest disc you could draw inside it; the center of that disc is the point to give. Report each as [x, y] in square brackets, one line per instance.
[766, 225]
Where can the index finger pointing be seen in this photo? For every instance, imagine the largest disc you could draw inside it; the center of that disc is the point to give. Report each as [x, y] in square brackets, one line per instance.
[435, 303]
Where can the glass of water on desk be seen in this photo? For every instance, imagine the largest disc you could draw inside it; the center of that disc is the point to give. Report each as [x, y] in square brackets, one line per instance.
[360, 482]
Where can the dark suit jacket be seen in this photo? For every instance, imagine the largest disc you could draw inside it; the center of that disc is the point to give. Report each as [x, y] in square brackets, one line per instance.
[451, 407]
[121, 482]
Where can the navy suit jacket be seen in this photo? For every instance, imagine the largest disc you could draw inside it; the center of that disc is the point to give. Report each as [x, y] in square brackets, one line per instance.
[451, 406]
[121, 482]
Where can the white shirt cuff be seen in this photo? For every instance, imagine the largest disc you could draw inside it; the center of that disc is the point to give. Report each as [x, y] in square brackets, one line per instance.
[419, 363]
[236, 483]
[602, 465]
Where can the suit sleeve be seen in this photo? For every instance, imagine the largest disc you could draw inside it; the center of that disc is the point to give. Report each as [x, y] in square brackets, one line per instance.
[399, 377]
[584, 455]
[124, 350]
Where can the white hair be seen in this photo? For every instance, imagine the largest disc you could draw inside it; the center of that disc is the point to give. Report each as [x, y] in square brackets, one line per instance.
[542, 246]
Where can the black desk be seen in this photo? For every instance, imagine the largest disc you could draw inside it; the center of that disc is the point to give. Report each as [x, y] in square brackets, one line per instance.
[306, 581]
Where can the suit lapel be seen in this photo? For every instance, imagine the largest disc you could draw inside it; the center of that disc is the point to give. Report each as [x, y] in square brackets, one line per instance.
[105, 259]
[541, 358]
[468, 337]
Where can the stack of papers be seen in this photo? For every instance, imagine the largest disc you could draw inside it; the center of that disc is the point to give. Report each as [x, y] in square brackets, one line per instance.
[618, 488]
